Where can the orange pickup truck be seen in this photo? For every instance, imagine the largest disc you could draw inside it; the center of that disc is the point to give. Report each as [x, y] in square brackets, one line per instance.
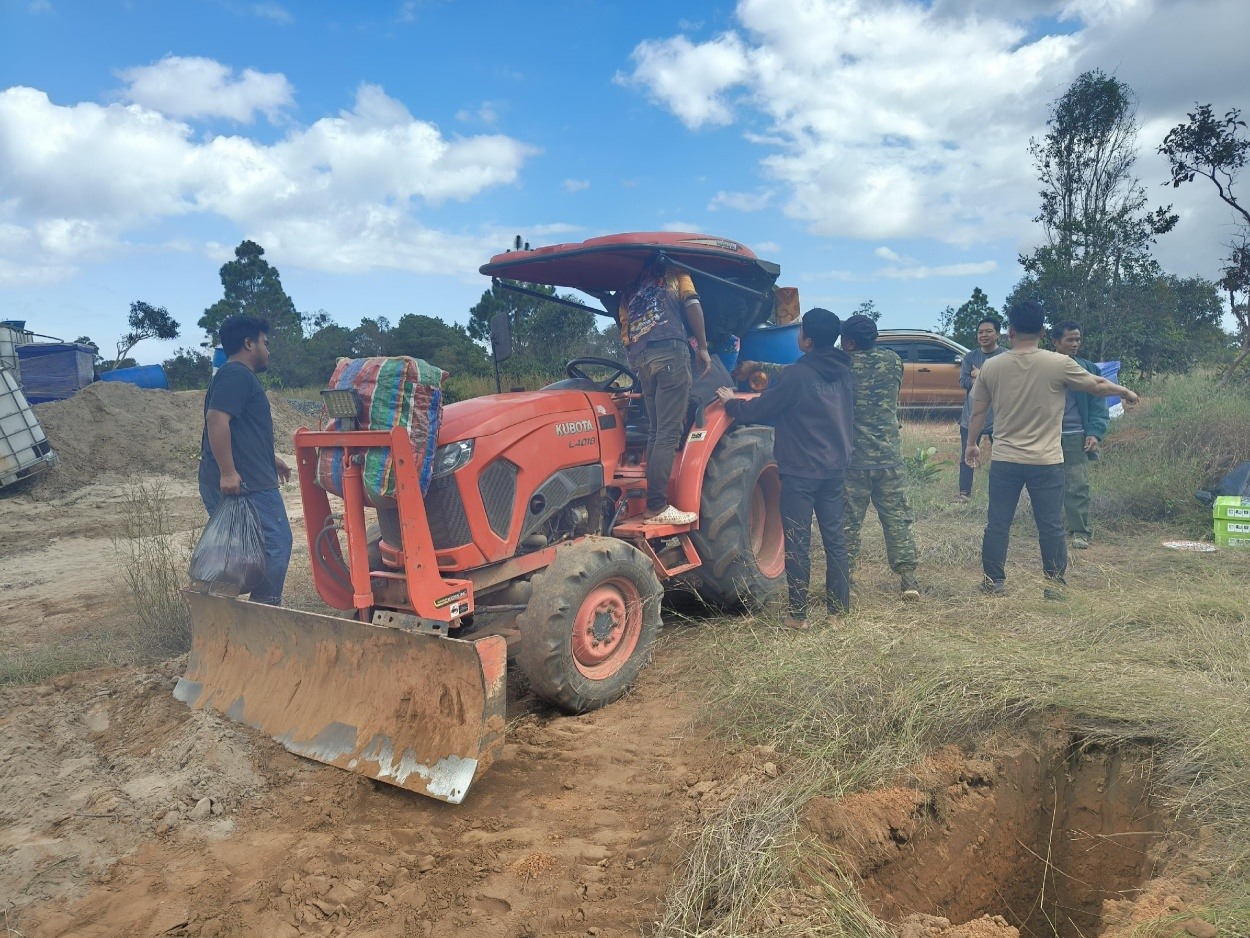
[930, 368]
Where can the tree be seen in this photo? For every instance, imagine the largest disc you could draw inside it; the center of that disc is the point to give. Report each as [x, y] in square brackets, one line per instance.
[146, 322]
[371, 338]
[961, 324]
[188, 370]
[252, 288]
[447, 346]
[1098, 231]
[1218, 150]
[868, 308]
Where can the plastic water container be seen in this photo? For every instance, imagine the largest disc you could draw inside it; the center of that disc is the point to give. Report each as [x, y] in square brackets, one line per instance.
[10, 339]
[23, 446]
[219, 358]
[145, 376]
[779, 344]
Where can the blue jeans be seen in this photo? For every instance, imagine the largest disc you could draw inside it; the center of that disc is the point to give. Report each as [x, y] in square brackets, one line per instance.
[800, 498]
[1045, 485]
[275, 528]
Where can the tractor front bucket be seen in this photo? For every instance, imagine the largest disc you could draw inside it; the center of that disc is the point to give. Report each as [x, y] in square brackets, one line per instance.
[412, 709]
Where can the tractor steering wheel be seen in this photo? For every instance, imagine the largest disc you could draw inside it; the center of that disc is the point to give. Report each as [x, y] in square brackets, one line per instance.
[573, 370]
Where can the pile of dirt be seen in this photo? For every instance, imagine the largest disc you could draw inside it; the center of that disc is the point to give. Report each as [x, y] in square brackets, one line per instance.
[113, 429]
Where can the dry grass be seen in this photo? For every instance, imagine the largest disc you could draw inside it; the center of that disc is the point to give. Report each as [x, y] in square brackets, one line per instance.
[151, 555]
[1152, 647]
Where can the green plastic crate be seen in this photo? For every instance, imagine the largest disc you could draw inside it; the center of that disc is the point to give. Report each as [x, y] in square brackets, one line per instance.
[1232, 507]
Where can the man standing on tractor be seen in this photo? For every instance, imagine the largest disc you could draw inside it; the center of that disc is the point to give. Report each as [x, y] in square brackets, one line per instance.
[1085, 419]
[654, 312]
[810, 408]
[876, 472]
[237, 457]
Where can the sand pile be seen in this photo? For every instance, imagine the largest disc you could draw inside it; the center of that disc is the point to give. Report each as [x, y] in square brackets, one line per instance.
[117, 429]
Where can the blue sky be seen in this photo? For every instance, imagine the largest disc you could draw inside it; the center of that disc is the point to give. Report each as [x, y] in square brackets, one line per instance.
[381, 151]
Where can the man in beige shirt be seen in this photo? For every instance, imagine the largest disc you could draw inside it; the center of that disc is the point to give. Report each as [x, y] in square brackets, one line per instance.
[1027, 390]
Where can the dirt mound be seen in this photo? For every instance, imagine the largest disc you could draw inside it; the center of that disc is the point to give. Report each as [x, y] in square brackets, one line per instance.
[115, 429]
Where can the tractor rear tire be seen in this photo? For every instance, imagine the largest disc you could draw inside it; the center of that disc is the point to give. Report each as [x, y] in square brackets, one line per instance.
[740, 535]
[590, 624]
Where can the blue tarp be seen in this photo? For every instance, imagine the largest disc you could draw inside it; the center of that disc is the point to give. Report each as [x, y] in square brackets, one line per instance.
[53, 371]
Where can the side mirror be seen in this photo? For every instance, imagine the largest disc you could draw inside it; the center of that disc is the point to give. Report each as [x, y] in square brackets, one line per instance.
[959, 360]
[500, 337]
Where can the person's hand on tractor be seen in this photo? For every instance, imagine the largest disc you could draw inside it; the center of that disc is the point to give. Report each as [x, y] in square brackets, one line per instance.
[724, 395]
[284, 471]
[742, 371]
[231, 483]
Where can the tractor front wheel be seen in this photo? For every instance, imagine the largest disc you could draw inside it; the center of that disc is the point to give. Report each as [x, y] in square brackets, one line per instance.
[591, 620]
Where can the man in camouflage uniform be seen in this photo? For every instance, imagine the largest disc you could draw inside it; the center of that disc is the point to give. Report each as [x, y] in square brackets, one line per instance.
[876, 472]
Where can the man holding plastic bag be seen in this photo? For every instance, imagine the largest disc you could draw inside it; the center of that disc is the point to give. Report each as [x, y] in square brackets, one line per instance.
[247, 541]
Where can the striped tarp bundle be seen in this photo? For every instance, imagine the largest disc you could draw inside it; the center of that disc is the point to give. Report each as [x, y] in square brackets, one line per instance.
[395, 392]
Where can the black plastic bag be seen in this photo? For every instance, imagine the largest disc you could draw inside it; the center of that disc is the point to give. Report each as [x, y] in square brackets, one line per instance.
[230, 554]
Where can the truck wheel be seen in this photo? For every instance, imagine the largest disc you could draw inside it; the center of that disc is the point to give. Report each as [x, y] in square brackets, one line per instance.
[740, 535]
[591, 621]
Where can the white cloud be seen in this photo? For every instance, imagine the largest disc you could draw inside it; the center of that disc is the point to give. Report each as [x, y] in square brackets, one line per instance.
[681, 226]
[767, 248]
[883, 120]
[486, 113]
[341, 194]
[39, 6]
[273, 11]
[576, 185]
[923, 272]
[182, 87]
[690, 79]
[886, 254]
[741, 201]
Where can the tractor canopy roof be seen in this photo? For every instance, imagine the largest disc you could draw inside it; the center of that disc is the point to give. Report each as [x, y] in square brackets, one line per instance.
[736, 287]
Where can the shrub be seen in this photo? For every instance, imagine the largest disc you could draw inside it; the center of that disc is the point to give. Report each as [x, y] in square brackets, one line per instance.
[1187, 434]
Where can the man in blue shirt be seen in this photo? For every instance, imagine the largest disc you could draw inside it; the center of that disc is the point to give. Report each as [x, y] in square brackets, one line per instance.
[236, 450]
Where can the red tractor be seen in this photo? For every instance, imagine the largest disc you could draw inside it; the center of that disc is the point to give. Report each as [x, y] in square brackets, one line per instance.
[528, 540]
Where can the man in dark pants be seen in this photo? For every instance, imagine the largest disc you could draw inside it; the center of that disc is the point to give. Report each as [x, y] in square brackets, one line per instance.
[1026, 389]
[988, 331]
[237, 457]
[810, 407]
[1085, 419]
[653, 312]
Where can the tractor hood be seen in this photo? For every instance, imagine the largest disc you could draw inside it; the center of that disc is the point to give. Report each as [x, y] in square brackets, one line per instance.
[482, 416]
[737, 288]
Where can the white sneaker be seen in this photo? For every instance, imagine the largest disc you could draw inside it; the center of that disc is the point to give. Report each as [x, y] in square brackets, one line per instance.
[671, 515]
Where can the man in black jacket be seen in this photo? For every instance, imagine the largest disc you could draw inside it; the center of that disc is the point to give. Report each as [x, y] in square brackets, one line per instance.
[810, 408]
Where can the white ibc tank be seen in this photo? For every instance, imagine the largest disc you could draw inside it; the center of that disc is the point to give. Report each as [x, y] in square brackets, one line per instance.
[23, 447]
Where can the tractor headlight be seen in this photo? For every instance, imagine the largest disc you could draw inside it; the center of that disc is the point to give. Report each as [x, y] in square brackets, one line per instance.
[451, 456]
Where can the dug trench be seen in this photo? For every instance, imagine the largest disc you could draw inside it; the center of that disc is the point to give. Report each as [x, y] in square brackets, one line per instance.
[1052, 837]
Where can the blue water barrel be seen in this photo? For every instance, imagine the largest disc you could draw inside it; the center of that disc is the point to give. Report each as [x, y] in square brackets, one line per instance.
[779, 344]
[145, 376]
[219, 357]
[1110, 371]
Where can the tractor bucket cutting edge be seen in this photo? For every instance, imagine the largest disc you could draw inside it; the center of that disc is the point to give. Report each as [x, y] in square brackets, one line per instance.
[417, 710]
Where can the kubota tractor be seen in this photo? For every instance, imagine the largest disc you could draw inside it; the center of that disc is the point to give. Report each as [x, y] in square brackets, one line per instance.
[528, 540]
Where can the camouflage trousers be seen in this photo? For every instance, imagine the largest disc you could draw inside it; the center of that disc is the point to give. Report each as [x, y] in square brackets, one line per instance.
[884, 488]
